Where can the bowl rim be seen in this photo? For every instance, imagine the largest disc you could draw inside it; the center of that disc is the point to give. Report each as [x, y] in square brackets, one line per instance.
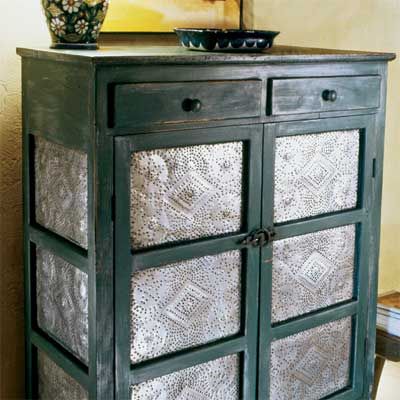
[225, 31]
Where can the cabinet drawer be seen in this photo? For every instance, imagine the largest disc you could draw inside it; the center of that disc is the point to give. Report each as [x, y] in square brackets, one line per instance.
[310, 95]
[178, 102]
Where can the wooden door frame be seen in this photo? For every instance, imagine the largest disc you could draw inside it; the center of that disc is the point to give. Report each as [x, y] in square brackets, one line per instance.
[360, 216]
[128, 261]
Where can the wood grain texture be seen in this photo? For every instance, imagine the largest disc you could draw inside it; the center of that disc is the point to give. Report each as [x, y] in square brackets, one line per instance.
[305, 95]
[153, 73]
[59, 104]
[387, 346]
[179, 55]
[374, 235]
[390, 300]
[162, 103]
[57, 100]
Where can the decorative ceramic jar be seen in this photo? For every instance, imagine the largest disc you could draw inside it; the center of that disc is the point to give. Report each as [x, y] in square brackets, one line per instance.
[75, 24]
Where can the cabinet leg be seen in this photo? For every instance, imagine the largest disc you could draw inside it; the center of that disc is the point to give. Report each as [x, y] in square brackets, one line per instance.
[379, 364]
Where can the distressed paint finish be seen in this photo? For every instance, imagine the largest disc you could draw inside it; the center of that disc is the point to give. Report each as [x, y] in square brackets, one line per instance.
[93, 132]
[173, 55]
[135, 103]
[297, 96]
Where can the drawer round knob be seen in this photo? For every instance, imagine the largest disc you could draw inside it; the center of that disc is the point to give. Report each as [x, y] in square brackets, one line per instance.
[191, 105]
[329, 95]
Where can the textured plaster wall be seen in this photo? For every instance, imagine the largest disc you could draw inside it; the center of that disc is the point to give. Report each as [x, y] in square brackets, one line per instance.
[358, 25]
[21, 24]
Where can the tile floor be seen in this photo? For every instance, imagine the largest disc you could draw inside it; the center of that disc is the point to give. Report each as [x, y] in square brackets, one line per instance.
[389, 386]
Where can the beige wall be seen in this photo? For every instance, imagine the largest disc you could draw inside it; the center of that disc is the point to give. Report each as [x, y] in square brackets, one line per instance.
[358, 25]
[21, 23]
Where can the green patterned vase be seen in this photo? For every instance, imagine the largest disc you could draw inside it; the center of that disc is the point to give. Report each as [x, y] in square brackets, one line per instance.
[75, 24]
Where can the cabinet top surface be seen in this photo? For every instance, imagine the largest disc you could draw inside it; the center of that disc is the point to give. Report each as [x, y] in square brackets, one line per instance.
[178, 55]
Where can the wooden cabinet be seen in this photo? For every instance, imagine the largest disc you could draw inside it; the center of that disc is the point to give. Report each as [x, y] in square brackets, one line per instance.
[202, 226]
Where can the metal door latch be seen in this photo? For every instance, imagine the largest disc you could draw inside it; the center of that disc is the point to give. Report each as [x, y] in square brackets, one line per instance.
[259, 238]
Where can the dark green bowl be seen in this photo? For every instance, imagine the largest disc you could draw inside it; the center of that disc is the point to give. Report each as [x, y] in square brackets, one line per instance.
[225, 39]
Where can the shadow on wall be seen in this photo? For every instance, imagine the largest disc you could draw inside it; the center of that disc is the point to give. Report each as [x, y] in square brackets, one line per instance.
[32, 31]
[249, 9]
[11, 282]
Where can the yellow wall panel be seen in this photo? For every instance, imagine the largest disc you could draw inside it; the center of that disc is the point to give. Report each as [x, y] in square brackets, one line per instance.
[358, 25]
[165, 15]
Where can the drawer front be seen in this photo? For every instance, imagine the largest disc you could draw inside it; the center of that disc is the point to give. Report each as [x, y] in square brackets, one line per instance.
[179, 102]
[310, 95]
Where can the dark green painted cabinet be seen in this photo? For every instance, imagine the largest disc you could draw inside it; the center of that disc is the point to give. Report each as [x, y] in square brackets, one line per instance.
[201, 226]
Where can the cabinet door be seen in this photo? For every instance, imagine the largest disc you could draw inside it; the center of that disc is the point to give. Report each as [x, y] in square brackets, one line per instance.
[314, 275]
[186, 301]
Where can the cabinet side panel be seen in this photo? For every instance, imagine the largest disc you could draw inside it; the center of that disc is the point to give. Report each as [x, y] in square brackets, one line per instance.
[55, 383]
[61, 190]
[59, 111]
[62, 310]
[57, 101]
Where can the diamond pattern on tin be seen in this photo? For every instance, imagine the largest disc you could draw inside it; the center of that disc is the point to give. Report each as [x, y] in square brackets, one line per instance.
[62, 302]
[190, 394]
[185, 193]
[312, 271]
[189, 194]
[315, 174]
[61, 190]
[312, 364]
[188, 304]
[185, 304]
[215, 380]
